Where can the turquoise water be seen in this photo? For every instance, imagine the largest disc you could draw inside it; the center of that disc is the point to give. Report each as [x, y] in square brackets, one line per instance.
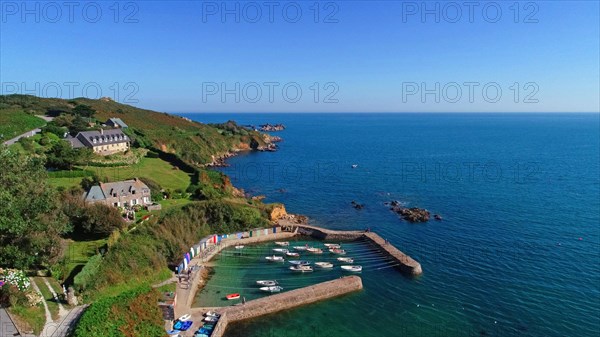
[517, 253]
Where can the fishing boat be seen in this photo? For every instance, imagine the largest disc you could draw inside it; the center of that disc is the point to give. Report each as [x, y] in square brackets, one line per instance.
[299, 262]
[211, 318]
[212, 313]
[332, 245]
[239, 247]
[293, 254]
[315, 250]
[346, 259]
[272, 289]
[337, 251]
[352, 268]
[268, 283]
[280, 250]
[301, 268]
[184, 318]
[301, 248]
[274, 258]
[324, 264]
[233, 296]
[173, 332]
[282, 243]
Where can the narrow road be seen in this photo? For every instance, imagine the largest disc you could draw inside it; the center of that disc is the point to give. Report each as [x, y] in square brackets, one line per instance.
[28, 133]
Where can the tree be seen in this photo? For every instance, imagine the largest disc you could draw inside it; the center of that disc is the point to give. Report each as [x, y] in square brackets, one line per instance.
[63, 156]
[31, 221]
[84, 111]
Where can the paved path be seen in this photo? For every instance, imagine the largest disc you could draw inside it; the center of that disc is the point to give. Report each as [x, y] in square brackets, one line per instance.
[7, 327]
[29, 133]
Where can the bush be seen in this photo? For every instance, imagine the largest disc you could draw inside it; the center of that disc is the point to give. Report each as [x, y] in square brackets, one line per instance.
[87, 275]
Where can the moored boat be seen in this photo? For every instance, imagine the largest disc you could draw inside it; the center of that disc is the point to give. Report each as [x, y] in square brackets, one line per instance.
[332, 245]
[234, 296]
[184, 318]
[352, 268]
[299, 262]
[337, 251]
[267, 283]
[272, 289]
[300, 248]
[324, 264]
[239, 247]
[282, 243]
[274, 258]
[213, 314]
[346, 259]
[211, 318]
[293, 254]
[315, 250]
[280, 250]
[301, 268]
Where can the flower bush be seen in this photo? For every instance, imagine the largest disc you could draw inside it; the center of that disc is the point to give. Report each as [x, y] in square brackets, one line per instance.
[16, 278]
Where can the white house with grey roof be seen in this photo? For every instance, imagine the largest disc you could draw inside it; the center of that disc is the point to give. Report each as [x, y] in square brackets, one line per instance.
[103, 142]
[126, 193]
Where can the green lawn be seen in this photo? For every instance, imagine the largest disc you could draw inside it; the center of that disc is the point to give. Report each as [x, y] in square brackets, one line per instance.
[47, 294]
[32, 318]
[17, 122]
[79, 252]
[65, 182]
[154, 168]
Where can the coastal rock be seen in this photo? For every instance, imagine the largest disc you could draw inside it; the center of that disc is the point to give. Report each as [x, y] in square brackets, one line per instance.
[278, 212]
[357, 205]
[437, 217]
[270, 127]
[413, 214]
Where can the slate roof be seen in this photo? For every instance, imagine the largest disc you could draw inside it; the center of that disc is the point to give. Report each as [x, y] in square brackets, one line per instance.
[106, 137]
[120, 188]
[116, 122]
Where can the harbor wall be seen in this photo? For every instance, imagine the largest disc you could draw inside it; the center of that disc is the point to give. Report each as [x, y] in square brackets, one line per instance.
[221, 326]
[406, 264]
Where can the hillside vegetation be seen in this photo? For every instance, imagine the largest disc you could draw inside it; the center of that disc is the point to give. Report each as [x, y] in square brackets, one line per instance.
[15, 122]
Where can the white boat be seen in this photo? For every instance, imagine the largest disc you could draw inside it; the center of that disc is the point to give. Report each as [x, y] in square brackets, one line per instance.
[185, 318]
[274, 258]
[332, 245]
[239, 247]
[282, 243]
[301, 268]
[280, 250]
[210, 319]
[292, 254]
[324, 264]
[267, 283]
[212, 314]
[299, 262]
[272, 289]
[315, 250]
[352, 268]
[337, 251]
[301, 248]
[354, 165]
[346, 259]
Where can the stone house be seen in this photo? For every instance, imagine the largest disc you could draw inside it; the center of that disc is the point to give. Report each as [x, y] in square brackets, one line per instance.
[103, 142]
[125, 194]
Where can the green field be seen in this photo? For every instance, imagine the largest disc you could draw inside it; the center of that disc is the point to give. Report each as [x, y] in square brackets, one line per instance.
[79, 252]
[156, 169]
[17, 122]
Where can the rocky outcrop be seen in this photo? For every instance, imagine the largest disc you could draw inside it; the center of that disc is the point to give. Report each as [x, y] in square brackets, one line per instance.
[270, 127]
[356, 205]
[413, 214]
[278, 212]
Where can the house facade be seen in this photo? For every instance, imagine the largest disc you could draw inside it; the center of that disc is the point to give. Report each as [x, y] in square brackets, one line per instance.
[102, 142]
[125, 194]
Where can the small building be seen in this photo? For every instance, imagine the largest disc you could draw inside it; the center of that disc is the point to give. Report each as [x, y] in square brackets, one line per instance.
[125, 194]
[116, 123]
[103, 142]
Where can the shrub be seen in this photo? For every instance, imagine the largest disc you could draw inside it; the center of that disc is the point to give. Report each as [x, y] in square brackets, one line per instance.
[88, 273]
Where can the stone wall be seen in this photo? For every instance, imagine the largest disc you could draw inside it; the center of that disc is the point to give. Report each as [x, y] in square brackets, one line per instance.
[406, 264]
[221, 326]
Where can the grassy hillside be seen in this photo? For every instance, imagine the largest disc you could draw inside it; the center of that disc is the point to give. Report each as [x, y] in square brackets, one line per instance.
[194, 142]
[14, 122]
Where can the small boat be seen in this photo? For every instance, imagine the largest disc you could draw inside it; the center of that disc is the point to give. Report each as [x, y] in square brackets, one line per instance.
[346, 259]
[210, 319]
[272, 289]
[301, 248]
[354, 165]
[267, 283]
[274, 258]
[315, 250]
[280, 250]
[292, 254]
[184, 318]
[239, 247]
[282, 243]
[301, 268]
[213, 314]
[324, 264]
[233, 296]
[333, 245]
[337, 251]
[173, 332]
[299, 262]
[352, 268]
[209, 326]
[182, 326]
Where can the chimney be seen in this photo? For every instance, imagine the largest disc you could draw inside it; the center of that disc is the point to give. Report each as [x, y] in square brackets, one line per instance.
[101, 131]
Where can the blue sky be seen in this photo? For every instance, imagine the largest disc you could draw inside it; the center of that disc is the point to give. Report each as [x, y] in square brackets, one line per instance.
[380, 56]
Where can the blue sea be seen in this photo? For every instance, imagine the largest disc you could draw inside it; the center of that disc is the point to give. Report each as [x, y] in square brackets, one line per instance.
[516, 254]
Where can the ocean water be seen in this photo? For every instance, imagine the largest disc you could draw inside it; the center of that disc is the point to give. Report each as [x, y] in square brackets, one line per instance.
[517, 252]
